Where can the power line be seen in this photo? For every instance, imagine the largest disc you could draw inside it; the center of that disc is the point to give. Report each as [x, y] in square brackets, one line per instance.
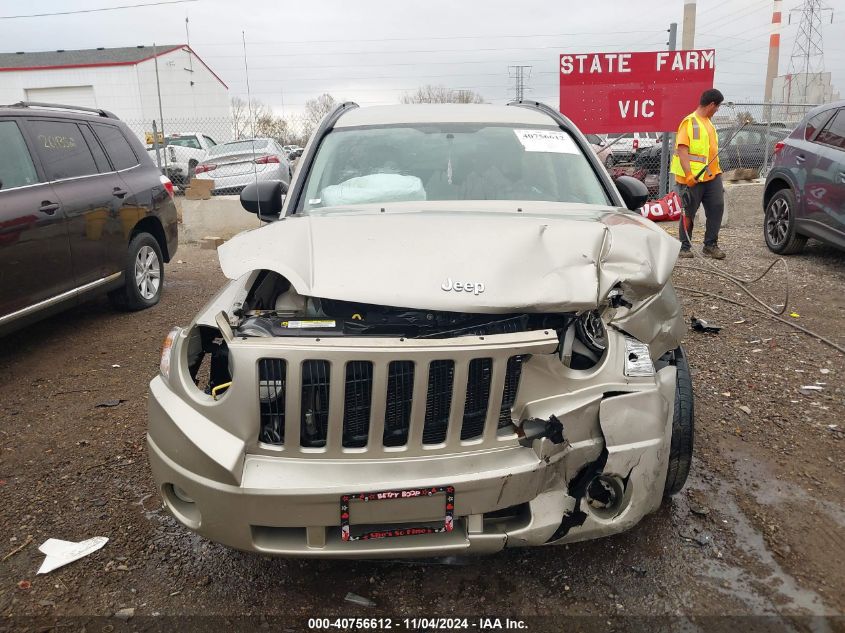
[125, 6]
[439, 38]
[393, 52]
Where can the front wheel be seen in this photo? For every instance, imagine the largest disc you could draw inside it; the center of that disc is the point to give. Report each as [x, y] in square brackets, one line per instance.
[143, 275]
[779, 224]
[683, 427]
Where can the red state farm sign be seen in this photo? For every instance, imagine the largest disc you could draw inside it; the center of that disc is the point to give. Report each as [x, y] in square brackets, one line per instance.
[633, 92]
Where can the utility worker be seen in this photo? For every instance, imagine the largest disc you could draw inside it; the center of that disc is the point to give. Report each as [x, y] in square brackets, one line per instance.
[697, 145]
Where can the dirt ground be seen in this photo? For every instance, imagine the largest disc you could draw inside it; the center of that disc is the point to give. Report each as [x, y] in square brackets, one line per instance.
[758, 530]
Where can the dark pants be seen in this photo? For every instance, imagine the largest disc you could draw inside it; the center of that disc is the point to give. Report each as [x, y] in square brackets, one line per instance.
[712, 195]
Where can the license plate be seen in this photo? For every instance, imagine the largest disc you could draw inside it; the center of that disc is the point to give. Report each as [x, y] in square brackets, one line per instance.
[406, 530]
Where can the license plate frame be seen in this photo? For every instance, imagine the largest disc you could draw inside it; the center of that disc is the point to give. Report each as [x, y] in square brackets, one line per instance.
[386, 495]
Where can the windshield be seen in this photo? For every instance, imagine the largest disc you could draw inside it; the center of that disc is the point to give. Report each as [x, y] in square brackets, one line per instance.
[450, 162]
[237, 147]
[183, 141]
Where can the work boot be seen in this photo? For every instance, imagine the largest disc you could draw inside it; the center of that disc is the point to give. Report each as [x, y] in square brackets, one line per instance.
[714, 252]
[686, 253]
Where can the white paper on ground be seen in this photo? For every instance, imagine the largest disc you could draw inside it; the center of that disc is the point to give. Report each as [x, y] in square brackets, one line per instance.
[546, 141]
[61, 553]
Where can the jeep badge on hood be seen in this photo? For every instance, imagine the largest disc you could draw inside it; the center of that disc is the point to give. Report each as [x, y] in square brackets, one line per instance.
[475, 287]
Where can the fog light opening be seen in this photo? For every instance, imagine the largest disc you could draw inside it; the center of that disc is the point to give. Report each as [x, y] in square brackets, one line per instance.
[605, 495]
[181, 505]
[181, 494]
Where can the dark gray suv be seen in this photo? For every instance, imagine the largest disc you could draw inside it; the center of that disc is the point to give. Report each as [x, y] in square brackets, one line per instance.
[805, 189]
[83, 210]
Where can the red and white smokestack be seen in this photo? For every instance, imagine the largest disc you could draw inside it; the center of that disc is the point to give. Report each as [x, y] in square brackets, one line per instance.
[774, 48]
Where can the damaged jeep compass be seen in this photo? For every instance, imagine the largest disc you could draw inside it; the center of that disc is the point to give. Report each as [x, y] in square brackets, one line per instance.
[453, 336]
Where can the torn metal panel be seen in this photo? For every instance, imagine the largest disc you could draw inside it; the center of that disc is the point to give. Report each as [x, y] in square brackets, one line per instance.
[556, 257]
[657, 321]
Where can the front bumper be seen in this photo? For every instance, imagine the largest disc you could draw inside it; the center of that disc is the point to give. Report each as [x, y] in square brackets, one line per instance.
[506, 494]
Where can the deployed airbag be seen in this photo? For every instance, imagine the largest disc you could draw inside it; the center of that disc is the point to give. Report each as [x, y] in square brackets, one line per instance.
[374, 188]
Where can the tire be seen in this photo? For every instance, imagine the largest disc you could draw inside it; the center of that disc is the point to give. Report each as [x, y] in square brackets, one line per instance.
[779, 224]
[192, 168]
[683, 427]
[142, 288]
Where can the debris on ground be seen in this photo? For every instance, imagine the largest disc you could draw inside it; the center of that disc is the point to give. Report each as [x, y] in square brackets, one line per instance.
[24, 584]
[639, 571]
[354, 598]
[125, 614]
[18, 548]
[700, 325]
[746, 410]
[109, 403]
[808, 389]
[60, 553]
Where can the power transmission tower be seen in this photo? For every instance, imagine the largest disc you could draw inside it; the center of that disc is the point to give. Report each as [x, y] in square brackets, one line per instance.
[519, 74]
[808, 50]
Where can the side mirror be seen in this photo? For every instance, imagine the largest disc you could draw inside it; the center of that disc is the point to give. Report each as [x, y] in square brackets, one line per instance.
[264, 198]
[633, 192]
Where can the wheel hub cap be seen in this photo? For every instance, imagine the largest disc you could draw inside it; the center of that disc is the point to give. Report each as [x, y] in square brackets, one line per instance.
[147, 272]
[777, 223]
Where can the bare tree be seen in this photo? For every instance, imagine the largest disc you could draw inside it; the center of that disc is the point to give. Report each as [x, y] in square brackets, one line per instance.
[441, 94]
[257, 119]
[240, 116]
[315, 110]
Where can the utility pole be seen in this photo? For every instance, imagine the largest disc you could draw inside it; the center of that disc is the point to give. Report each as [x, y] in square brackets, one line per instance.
[808, 51]
[160, 110]
[664, 150]
[688, 33]
[519, 75]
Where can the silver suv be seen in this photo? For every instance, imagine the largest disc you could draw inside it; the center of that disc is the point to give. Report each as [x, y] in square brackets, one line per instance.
[453, 333]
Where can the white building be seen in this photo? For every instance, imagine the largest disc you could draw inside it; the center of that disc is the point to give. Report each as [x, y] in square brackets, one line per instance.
[803, 88]
[123, 81]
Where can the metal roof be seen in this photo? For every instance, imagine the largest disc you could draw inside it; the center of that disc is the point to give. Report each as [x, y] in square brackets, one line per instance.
[126, 55]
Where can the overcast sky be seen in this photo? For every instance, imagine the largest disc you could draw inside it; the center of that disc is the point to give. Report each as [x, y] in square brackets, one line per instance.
[372, 51]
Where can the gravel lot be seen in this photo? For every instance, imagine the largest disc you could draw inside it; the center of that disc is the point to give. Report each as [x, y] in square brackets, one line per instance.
[757, 531]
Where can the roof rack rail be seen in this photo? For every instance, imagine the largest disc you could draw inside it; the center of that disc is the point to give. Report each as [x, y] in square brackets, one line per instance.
[59, 106]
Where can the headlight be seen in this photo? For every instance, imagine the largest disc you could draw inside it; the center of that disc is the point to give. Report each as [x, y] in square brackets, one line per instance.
[591, 331]
[166, 347]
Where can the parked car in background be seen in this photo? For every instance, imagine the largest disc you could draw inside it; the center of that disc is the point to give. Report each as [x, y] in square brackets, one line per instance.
[648, 158]
[748, 148]
[362, 398]
[234, 165]
[182, 153]
[83, 210]
[599, 146]
[624, 147]
[805, 189]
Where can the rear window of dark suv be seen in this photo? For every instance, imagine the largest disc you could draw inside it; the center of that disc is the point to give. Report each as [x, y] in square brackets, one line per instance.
[117, 147]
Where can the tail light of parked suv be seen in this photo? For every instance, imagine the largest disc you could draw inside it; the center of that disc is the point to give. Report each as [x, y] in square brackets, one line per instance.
[201, 169]
[636, 144]
[778, 147]
[264, 160]
[168, 186]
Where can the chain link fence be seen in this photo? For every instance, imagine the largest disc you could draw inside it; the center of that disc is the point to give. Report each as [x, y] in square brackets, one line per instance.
[179, 145]
[748, 133]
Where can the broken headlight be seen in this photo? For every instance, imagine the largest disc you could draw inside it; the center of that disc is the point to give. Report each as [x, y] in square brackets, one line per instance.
[584, 341]
[591, 331]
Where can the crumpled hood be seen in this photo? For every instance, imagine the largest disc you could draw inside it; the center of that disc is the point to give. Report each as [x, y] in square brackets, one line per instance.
[528, 262]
